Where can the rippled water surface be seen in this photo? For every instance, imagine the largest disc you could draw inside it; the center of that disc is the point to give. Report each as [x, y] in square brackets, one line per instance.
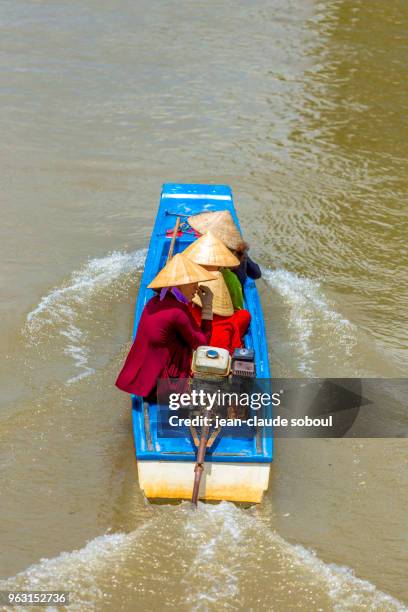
[301, 107]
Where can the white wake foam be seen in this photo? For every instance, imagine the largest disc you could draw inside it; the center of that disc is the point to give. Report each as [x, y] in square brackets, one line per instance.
[317, 329]
[59, 311]
[77, 572]
[220, 525]
[215, 557]
[234, 545]
[347, 592]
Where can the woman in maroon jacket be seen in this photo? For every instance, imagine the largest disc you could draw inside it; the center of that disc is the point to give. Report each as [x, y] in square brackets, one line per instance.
[167, 333]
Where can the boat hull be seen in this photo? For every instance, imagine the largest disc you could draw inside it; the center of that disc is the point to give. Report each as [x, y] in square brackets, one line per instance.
[238, 482]
[237, 465]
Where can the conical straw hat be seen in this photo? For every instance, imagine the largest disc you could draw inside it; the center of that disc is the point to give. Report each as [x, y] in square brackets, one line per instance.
[222, 303]
[180, 271]
[210, 251]
[220, 223]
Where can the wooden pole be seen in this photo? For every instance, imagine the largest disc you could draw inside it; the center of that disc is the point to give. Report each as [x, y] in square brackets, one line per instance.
[199, 467]
[173, 239]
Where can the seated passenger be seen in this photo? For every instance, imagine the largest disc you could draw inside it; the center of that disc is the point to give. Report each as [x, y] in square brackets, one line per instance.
[221, 225]
[211, 253]
[246, 267]
[167, 332]
[229, 327]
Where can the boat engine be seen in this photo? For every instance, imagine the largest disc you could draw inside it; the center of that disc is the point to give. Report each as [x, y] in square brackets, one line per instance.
[243, 362]
[211, 363]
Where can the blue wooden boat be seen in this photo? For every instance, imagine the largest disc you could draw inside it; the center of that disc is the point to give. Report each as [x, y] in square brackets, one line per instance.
[236, 469]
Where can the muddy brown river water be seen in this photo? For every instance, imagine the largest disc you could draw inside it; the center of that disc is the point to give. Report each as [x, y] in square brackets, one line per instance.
[299, 105]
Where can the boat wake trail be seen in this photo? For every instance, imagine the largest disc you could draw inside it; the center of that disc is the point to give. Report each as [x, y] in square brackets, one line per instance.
[218, 556]
[80, 571]
[215, 529]
[68, 312]
[320, 337]
[240, 562]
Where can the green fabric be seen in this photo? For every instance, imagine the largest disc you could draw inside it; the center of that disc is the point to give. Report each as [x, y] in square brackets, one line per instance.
[234, 287]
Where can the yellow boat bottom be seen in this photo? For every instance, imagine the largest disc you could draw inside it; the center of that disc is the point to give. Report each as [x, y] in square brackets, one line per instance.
[239, 482]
